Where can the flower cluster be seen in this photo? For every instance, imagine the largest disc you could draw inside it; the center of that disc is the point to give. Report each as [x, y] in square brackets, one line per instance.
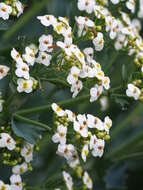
[25, 82]
[134, 90]
[10, 148]
[87, 182]
[81, 65]
[10, 7]
[78, 135]
[130, 4]
[124, 31]
[89, 131]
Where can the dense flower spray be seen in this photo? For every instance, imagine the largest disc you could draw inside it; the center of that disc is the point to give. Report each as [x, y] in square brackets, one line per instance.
[78, 136]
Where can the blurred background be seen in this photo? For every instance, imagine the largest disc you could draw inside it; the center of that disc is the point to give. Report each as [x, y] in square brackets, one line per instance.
[122, 164]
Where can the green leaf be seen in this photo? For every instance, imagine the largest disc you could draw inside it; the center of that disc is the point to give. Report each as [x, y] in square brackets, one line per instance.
[27, 131]
[115, 177]
[4, 25]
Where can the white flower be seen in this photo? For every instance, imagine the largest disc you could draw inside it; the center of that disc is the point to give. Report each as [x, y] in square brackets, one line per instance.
[47, 20]
[128, 31]
[7, 141]
[34, 48]
[16, 182]
[131, 5]
[133, 91]
[98, 42]
[81, 125]
[107, 124]
[29, 56]
[95, 70]
[46, 43]
[4, 186]
[83, 23]
[64, 29]
[44, 58]
[71, 116]
[89, 54]
[16, 56]
[106, 83]
[68, 180]
[20, 169]
[64, 20]
[84, 152]
[93, 142]
[95, 92]
[84, 73]
[58, 110]
[22, 70]
[115, 1]
[60, 135]
[27, 152]
[73, 161]
[66, 150]
[79, 55]
[24, 85]
[137, 24]
[87, 181]
[126, 18]
[140, 13]
[120, 42]
[112, 25]
[99, 75]
[19, 7]
[76, 88]
[94, 122]
[99, 148]
[1, 105]
[5, 11]
[68, 48]
[104, 103]
[87, 5]
[73, 75]
[3, 71]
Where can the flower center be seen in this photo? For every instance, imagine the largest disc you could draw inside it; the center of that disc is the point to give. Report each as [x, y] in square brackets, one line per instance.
[3, 187]
[3, 9]
[1, 71]
[25, 85]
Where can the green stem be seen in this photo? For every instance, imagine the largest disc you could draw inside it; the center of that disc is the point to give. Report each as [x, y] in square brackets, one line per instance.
[48, 107]
[37, 6]
[108, 66]
[118, 95]
[116, 88]
[55, 81]
[29, 121]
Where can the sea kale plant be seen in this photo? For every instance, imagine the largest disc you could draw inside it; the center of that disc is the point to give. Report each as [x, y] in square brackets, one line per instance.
[64, 81]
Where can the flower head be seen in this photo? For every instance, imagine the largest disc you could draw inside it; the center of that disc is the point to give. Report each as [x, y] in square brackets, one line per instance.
[5, 11]
[3, 71]
[133, 91]
[7, 141]
[60, 135]
[24, 85]
[87, 180]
